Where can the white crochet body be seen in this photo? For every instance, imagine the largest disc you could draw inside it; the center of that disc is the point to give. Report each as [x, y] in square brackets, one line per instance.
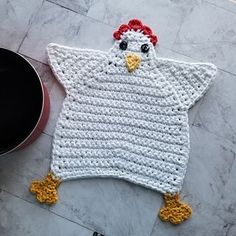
[129, 125]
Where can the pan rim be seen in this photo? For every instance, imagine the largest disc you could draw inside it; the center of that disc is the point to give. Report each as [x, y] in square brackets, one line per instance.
[42, 106]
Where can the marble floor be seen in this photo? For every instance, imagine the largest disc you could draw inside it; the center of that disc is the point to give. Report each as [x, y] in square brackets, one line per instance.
[192, 30]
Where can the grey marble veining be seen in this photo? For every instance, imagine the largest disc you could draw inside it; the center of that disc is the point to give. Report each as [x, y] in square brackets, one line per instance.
[19, 168]
[109, 206]
[79, 6]
[20, 218]
[15, 18]
[202, 30]
[229, 5]
[165, 16]
[59, 25]
[208, 33]
[218, 110]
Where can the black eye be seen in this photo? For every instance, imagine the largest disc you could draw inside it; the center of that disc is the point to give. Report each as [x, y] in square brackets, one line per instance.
[145, 48]
[123, 45]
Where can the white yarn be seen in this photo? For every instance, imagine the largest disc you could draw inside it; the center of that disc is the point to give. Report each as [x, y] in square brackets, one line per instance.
[129, 125]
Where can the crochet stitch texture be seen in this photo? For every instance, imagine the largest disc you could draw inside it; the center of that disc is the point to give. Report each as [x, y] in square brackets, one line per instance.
[125, 124]
[130, 126]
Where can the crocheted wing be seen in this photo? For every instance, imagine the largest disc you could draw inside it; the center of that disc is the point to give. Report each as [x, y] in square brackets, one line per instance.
[72, 66]
[189, 80]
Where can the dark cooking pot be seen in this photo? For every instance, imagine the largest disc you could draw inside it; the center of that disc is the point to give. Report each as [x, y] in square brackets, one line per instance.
[24, 102]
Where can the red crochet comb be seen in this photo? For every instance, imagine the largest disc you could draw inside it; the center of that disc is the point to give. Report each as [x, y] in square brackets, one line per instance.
[135, 25]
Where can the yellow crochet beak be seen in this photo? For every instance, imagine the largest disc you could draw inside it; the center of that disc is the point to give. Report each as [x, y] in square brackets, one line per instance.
[132, 62]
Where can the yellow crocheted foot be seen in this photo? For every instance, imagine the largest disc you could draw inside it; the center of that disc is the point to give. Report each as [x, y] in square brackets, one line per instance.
[174, 211]
[46, 189]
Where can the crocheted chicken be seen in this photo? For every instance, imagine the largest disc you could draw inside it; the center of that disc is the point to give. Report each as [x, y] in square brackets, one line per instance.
[125, 115]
